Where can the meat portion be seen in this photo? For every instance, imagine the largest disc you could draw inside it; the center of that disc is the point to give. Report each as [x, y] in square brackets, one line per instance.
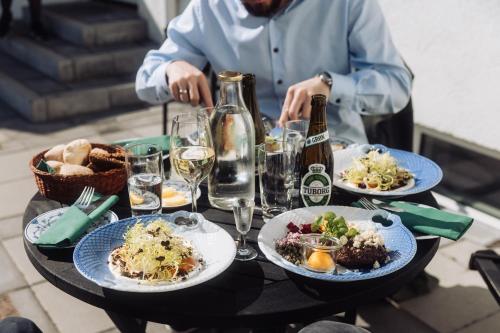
[363, 256]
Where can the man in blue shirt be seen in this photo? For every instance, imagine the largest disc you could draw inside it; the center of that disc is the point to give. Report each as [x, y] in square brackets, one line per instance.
[296, 48]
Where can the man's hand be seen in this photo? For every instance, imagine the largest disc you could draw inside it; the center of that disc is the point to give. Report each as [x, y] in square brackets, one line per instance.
[188, 84]
[298, 99]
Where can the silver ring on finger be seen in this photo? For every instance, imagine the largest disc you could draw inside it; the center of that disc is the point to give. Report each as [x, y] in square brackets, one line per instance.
[183, 91]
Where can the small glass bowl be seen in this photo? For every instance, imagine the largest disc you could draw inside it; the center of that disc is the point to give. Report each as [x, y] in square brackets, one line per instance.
[319, 252]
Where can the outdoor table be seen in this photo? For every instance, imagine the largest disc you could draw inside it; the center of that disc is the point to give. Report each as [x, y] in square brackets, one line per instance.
[248, 294]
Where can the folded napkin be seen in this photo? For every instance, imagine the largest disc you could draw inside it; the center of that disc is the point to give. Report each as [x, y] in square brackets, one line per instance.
[43, 166]
[72, 224]
[429, 220]
[163, 141]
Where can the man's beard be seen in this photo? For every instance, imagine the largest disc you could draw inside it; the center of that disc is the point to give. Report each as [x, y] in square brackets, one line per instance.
[260, 9]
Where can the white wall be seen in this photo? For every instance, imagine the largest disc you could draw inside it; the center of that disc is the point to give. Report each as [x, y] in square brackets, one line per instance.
[17, 5]
[453, 46]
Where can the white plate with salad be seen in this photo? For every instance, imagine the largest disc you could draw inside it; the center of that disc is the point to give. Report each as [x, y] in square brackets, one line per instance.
[151, 253]
[375, 170]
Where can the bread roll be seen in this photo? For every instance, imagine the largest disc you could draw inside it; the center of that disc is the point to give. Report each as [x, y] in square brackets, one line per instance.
[56, 165]
[55, 153]
[99, 151]
[77, 152]
[74, 170]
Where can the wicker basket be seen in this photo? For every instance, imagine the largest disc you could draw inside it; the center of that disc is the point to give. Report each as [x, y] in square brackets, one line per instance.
[66, 189]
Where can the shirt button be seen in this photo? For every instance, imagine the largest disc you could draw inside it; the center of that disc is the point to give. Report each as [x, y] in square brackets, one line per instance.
[337, 101]
[279, 81]
[275, 50]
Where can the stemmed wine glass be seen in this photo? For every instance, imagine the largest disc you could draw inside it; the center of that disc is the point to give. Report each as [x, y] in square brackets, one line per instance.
[192, 151]
[243, 215]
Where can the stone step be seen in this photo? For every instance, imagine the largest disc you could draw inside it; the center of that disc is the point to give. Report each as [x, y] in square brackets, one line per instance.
[67, 62]
[93, 23]
[39, 98]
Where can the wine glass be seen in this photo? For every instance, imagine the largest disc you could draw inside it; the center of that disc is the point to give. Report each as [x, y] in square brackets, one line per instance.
[192, 151]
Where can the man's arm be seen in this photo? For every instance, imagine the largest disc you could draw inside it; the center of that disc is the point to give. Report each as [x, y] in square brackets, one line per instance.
[179, 56]
[380, 82]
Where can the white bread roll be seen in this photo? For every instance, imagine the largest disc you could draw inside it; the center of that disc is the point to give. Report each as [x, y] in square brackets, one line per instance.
[99, 151]
[77, 152]
[56, 165]
[55, 153]
[74, 170]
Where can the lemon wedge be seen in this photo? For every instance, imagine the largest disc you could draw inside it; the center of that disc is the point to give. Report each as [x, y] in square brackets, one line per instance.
[135, 199]
[168, 192]
[176, 200]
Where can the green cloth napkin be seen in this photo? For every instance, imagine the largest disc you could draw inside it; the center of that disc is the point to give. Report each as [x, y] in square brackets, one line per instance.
[430, 221]
[72, 224]
[43, 166]
[163, 141]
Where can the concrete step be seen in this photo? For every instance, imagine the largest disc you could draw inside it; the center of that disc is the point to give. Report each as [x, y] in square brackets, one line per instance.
[39, 98]
[93, 23]
[67, 62]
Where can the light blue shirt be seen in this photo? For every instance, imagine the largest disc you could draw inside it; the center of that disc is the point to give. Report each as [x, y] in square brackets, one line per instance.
[347, 38]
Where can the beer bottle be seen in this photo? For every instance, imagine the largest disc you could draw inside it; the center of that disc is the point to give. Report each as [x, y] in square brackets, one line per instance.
[250, 99]
[316, 168]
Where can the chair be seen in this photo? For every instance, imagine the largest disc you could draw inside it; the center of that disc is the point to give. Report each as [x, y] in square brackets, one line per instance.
[392, 130]
[487, 262]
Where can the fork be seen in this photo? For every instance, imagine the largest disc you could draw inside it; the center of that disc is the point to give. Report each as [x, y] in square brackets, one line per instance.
[366, 203]
[85, 198]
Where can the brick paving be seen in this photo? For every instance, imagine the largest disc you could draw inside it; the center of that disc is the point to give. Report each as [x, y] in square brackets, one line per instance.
[460, 303]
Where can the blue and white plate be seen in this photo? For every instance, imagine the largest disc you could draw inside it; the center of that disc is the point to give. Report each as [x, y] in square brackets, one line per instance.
[43, 221]
[426, 173]
[215, 246]
[398, 240]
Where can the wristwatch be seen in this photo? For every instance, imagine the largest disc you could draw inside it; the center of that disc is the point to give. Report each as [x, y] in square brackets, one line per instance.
[326, 78]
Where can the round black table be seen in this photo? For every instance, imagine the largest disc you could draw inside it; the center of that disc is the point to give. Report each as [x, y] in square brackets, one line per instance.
[248, 294]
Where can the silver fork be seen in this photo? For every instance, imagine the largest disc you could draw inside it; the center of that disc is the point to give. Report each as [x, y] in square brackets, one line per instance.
[366, 203]
[85, 198]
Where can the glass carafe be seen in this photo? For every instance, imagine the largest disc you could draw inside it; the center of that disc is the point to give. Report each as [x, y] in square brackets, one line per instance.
[233, 173]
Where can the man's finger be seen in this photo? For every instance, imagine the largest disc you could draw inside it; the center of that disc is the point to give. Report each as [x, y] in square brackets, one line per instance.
[204, 92]
[283, 118]
[296, 105]
[194, 96]
[183, 90]
[306, 108]
[174, 89]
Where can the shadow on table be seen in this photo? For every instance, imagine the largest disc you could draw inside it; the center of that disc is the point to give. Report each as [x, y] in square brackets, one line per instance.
[224, 296]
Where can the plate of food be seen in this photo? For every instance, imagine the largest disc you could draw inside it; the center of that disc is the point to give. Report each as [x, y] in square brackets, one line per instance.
[43, 221]
[380, 171]
[337, 243]
[176, 193]
[151, 253]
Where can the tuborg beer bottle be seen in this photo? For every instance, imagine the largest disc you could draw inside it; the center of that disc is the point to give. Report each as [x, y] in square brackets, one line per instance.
[250, 98]
[316, 168]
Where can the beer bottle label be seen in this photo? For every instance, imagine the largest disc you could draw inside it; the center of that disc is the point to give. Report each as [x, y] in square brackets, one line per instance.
[318, 138]
[316, 186]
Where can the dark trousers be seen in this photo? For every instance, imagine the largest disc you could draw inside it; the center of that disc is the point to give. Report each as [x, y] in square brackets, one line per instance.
[18, 325]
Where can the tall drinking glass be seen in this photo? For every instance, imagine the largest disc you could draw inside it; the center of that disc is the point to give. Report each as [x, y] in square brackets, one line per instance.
[145, 177]
[275, 165]
[294, 135]
[192, 151]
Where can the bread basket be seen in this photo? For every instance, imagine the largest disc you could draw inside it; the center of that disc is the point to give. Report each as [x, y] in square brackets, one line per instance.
[66, 189]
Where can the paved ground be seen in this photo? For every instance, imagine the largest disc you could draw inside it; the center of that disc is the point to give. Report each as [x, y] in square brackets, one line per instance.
[459, 303]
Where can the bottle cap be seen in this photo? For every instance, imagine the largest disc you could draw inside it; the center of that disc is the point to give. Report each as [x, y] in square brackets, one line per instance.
[230, 76]
[318, 99]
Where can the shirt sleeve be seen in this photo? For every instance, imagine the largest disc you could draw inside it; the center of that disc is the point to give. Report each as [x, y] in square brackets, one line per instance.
[184, 42]
[379, 82]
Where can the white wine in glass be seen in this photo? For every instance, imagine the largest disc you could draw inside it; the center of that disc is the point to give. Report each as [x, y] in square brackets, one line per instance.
[192, 152]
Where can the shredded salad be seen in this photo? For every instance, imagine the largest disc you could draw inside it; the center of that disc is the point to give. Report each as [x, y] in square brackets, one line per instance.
[376, 171]
[154, 254]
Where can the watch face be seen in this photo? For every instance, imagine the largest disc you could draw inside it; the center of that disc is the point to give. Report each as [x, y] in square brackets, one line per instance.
[326, 78]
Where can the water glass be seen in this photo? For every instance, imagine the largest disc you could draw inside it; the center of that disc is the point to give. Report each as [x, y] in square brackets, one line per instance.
[275, 166]
[145, 177]
[294, 135]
